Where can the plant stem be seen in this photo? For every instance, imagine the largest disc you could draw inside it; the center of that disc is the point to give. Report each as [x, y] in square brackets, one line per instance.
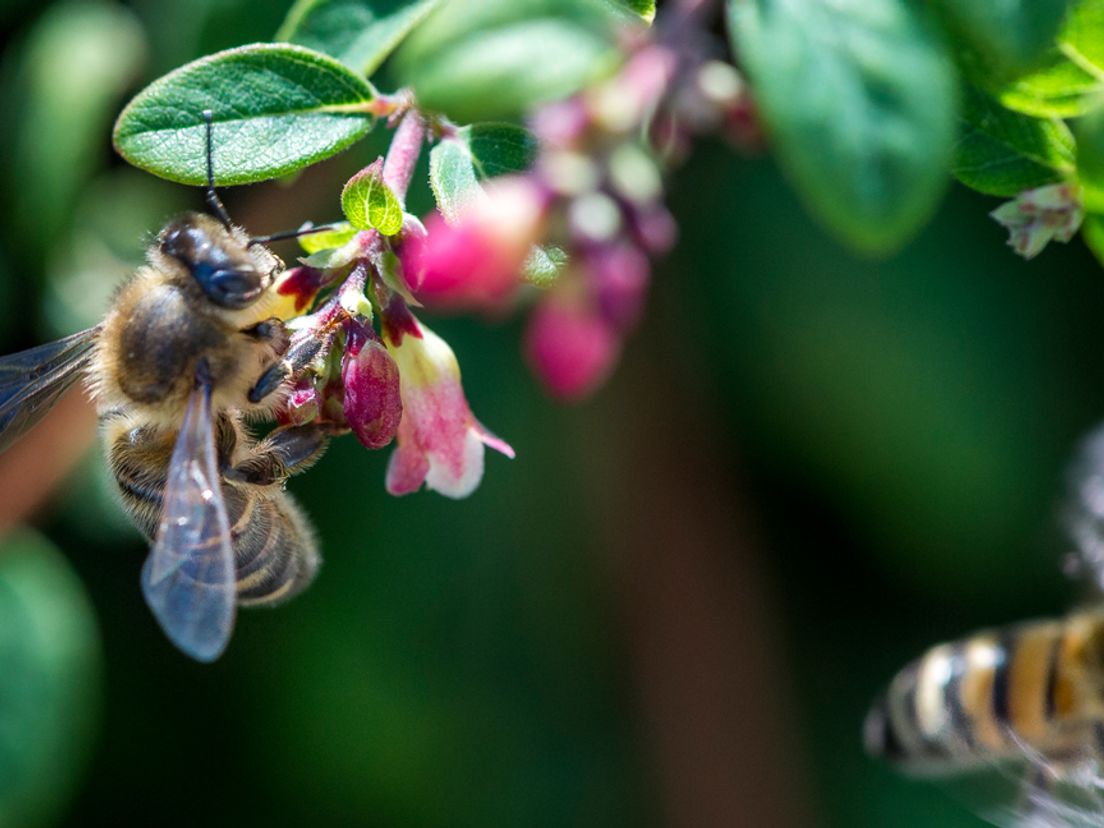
[402, 155]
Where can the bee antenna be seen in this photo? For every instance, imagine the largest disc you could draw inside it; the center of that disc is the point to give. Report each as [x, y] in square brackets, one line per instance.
[305, 230]
[213, 201]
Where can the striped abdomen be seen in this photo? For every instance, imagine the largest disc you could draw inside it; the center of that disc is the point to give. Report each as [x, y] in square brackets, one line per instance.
[275, 555]
[1029, 687]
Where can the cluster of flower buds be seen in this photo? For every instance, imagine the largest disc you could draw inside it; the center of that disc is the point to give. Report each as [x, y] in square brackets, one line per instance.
[584, 222]
[1037, 217]
[399, 384]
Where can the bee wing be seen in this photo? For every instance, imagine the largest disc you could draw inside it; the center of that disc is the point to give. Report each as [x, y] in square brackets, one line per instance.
[33, 380]
[1068, 797]
[1083, 514]
[188, 578]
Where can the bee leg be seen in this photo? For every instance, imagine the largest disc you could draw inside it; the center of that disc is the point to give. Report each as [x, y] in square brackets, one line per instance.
[286, 451]
[298, 357]
[273, 332]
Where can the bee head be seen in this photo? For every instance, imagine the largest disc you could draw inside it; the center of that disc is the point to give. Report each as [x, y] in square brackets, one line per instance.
[220, 265]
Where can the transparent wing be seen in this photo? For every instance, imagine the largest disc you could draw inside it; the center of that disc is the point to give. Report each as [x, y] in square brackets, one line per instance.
[188, 579]
[1071, 796]
[1083, 514]
[33, 380]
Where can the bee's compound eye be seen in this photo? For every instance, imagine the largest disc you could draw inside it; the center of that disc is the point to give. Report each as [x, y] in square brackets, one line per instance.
[229, 287]
[229, 281]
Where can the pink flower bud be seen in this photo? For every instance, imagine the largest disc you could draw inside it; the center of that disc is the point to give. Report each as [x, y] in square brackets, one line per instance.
[372, 404]
[301, 285]
[476, 260]
[620, 276]
[302, 404]
[570, 348]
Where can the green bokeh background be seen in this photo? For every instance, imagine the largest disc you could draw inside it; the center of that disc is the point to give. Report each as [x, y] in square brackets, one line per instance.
[673, 608]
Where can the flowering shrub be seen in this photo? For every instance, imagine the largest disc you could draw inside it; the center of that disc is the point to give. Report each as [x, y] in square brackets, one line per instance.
[552, 125]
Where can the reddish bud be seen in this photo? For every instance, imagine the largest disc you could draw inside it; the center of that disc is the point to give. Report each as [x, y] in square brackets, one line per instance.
[620, 277]
[571, 349]
[372, 405]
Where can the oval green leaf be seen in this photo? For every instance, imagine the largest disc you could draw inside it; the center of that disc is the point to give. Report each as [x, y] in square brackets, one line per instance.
[859, 99]
[1002, 39]
[367, 202]
[473, 154]
[1090, 160]
[277, 108]
[1070, 81]
[1002, 153]
[478, 60]
[50, 684]
[359, 33]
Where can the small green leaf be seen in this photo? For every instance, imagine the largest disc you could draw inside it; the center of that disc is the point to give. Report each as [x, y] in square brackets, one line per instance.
[544, 264]
[1070, 81]
[473, 154]
[359, 33]
[643, 9]
[367, 202]
[1092, 231]
[277, 108]
[860, 101]
[1090, 160]
[478, 60]
[1003, 38]
[1003, 153]
[337, 236]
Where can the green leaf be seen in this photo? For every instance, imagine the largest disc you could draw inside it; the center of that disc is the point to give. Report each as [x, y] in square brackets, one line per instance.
[478, 60]
[1003, 38]
[544, 264]
[56, 142]
[1003, 153]
[1090, 160]
[359, 33]
[860, 101]
[1070, 81]
[277, 108]
[473, 154]
[1092, 231]
[643, 9]
[50, 684]
[367, 202]
[339, 235]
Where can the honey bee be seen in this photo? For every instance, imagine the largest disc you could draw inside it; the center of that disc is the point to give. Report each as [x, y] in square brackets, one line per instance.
[189, 351]
[1026, 699]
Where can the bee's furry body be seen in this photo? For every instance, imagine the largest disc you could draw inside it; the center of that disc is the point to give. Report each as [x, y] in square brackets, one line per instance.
[160, 327]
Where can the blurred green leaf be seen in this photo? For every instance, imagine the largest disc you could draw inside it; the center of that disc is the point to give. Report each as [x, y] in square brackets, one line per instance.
[359, 33]
[859, 99]
[1070, 81]
[479, 60]
[1003, 153]
[367, 202]
[1092, 231]
[1090, 160]
[543, 266]
[643, 9]
[475, 153]
[277, 108]
[1003, 37]
[79, 59]
[50, 681]
[328, 239]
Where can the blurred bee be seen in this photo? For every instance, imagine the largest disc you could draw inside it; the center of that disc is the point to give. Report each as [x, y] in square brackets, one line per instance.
[1027, 699]
[188, 350]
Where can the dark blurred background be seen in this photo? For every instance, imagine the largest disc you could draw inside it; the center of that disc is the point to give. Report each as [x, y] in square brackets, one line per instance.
[672, 609]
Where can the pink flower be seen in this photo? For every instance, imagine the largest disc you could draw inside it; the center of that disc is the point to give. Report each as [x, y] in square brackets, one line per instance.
[372, 403]
[474, 257]
[440, 443]
[571, 347]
